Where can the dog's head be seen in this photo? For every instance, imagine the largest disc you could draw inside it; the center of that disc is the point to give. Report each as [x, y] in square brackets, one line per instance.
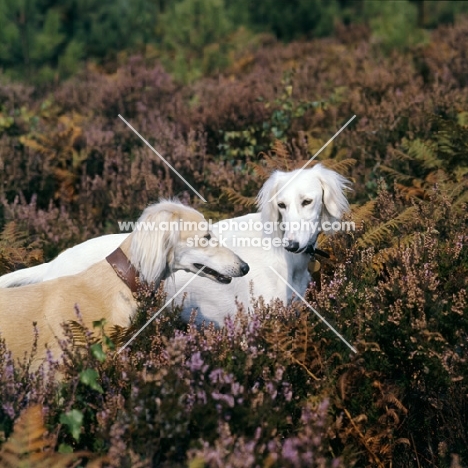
[170, 236]
[303, 203]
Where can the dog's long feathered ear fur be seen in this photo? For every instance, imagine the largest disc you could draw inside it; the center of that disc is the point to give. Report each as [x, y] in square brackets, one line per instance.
[334, 186]
[152, 248]
[269, 209]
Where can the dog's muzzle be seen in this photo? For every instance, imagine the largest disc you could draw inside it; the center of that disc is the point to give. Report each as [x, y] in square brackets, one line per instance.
[310, 249]
[224, 279]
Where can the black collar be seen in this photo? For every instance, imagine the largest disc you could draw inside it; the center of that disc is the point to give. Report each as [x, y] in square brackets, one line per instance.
[312, 251]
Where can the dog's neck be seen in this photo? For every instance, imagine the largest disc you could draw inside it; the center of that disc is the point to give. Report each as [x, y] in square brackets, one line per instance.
[124, 269]
[119, 260]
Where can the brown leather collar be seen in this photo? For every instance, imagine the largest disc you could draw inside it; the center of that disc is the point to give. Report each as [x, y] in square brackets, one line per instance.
[124, 269]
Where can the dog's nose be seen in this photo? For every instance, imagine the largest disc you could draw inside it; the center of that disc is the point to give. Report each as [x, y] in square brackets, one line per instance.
[292, 246]
[244, 269]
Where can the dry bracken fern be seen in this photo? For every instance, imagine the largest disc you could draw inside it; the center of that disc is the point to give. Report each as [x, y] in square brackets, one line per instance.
[62, 155]
[376, 437]
[300, 347]
[13, 250]
[384, 255]
[80, 334]
[395, 174]
[378, 234]
[31, 447]
[279, 158]
[360, 213]
[237, 198]
[339, 166]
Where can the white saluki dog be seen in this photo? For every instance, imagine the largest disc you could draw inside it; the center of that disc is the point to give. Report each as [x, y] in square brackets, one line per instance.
[105, 289]
[281, 235]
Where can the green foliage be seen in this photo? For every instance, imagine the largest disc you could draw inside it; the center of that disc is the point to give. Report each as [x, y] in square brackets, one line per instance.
[69, 61]
[45, 41]
[98, 352]
[89, 377]
[394, 24]
[73, 419]
[284, 111]
[289, 20]
[195, 38]
[436, 12]
[108, 27]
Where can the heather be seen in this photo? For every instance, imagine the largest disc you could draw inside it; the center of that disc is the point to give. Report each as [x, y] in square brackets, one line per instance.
[274, 387]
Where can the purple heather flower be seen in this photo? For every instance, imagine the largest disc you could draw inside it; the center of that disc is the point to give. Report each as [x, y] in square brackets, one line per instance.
[196, 362]
[228, 399]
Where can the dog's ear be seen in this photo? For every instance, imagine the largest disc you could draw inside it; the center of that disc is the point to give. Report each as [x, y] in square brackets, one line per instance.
[334, 186]
[153, 243]
[269, 209]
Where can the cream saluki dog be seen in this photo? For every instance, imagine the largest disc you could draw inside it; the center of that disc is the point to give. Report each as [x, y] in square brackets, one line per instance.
[162, 244]
[290, 205]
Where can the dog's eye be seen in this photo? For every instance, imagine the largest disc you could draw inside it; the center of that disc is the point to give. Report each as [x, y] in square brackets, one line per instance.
[207, 236]
[306, 202]
[281, 205]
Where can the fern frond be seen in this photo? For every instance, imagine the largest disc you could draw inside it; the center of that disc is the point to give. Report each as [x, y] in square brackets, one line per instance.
[454, 190]
[390, 414]
[385, 255]
[280, 150]
[120, 335]
[277, 159]
[13, 250]
[411, 192]
[300, 348]
[340, 166]
[399, 155]
[364, 212]
[30, 446]
[239, 199]
[436, 177]
[365, 440]
[80, 334]
[402, 440]
[460, 173]
[260, 170]
[462, 199]
[393, 400]
[395, 174]
[425, 152]
[376, 235]
[314, 145]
